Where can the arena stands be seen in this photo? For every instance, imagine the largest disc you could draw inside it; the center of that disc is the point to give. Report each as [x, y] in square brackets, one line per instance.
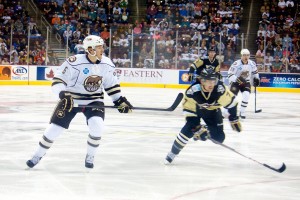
[171, 36]
[278, 36]
[15, 26]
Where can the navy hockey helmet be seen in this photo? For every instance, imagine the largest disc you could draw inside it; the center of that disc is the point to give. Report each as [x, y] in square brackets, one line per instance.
[209, 74]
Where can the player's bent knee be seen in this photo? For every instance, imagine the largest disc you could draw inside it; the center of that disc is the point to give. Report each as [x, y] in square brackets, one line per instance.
[246, 95]
[217, 134]
[96, 126]
[53, 131]
[219, 137]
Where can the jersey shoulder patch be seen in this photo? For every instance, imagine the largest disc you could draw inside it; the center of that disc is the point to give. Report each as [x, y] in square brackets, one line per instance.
[194, 88]
[198, 62]
[72, 59]
[221, 88]
[235, 63]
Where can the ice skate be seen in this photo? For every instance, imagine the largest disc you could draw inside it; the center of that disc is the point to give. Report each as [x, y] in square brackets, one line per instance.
[33, 161]
[242, 116]
[89, 161]
[169, 159]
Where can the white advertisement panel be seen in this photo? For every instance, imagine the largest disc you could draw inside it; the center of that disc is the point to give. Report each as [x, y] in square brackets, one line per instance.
[135, 75]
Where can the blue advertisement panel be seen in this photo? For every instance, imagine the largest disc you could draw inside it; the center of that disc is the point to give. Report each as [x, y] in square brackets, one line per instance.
[44, 73]
[184, 75]
[280, 80]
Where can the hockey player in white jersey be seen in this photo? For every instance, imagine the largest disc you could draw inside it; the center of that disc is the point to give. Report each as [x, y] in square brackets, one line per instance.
[82, 79]
[240, 75]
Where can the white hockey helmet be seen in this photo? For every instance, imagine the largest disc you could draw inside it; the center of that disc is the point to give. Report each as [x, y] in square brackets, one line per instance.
[245, 52]
[92, 41]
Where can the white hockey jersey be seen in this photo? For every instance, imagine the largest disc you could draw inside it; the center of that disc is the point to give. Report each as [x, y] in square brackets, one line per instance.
[86, 81]
[247, 71]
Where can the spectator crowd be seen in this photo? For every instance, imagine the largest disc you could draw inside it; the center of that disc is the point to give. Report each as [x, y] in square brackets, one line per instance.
[278, 36]
[173, 34]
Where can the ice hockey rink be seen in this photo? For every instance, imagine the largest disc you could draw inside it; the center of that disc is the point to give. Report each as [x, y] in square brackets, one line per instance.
[129, 164]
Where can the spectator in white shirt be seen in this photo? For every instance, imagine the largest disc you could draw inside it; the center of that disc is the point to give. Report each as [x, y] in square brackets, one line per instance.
[124, 41]
[289, 3]
[262, 31]
[281, 4]
[202, 26]
[170, 42]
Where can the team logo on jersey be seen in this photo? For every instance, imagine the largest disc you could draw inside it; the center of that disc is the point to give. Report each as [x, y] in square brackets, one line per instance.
[72, 59]
[60, 113]
[86, 71]
[92, 83]
[245, 74]
[209, 67]
[221, 89]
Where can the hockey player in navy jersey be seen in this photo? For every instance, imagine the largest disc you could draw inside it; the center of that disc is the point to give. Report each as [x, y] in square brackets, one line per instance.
[240, 75]
[210, 62]
[203, 101]
[82, 79]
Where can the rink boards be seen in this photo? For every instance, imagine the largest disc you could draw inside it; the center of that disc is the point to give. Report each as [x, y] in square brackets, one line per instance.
[136, 77]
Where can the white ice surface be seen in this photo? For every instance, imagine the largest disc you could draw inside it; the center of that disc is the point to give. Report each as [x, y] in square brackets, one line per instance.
[129, 163]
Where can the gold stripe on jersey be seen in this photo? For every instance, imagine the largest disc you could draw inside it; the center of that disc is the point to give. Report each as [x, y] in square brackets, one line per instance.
[227, 99]
[189, 106]
[217, 69]
[197, 63]
[113, 90]
[80, 96]
[57, 81]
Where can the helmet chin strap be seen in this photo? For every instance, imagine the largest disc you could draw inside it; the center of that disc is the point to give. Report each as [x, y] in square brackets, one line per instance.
[93, 55]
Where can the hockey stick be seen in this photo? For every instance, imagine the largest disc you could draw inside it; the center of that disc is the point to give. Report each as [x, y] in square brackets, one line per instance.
[280, 170]
[256, 111]
[171, 108]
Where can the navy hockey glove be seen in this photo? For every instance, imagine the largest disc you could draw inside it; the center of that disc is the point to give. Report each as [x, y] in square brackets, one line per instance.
[191, 77]
[240, 80]
[66, 100]
[235, 123]
[256, 82]
[200, 133]
[123, 105]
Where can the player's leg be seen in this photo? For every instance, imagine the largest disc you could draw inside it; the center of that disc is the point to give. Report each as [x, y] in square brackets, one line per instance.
[95, 122]
[214, 122]
[246, 90]
[60, 121]
[182, 138]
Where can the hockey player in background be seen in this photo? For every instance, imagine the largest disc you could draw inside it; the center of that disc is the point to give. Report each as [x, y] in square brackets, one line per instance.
[82, 79]
[203, 100]
[240, 74]
[200, 64]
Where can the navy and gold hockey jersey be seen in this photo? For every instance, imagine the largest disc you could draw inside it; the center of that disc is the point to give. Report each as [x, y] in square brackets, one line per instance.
[196, 99]
[198, 65]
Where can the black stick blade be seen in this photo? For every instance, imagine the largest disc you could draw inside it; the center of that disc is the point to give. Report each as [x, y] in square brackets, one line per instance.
[280, 170]
[258, 111]
[176, 102]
